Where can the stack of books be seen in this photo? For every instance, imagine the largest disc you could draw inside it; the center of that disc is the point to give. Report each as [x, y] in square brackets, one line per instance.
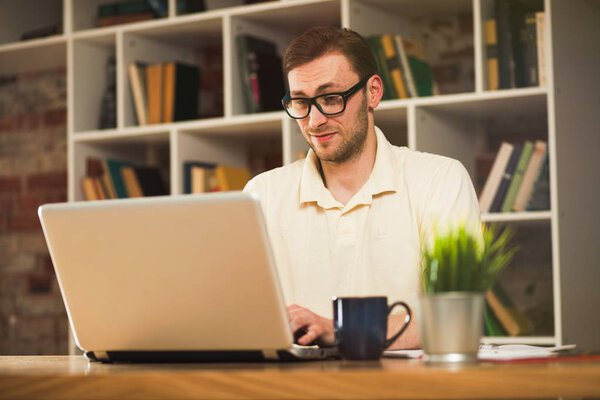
[514, 41]
[501, 317]
[116, 179]
[203, 177]
[164, 92]
[123, 12]
[403, 66]
[519, 179]
[261, 74]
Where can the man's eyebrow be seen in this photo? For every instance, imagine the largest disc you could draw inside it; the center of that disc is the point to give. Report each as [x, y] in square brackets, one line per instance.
[320, 89]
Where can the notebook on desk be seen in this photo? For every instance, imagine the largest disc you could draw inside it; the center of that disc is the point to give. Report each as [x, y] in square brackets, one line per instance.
[178, 278]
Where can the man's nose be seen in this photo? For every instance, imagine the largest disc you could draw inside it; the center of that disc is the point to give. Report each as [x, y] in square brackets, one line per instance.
[316, 117]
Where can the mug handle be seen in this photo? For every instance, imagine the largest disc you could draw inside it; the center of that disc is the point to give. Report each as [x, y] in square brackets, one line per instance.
[407, 319]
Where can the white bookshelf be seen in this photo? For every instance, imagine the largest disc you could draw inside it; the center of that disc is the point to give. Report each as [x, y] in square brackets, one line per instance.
[458, 124]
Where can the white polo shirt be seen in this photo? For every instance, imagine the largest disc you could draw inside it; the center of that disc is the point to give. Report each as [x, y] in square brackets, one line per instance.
[371, 245]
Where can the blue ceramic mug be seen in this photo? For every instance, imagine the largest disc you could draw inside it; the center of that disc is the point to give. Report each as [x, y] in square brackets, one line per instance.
[360, 326]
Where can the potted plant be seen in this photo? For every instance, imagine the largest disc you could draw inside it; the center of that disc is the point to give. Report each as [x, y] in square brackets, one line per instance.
[458, 267]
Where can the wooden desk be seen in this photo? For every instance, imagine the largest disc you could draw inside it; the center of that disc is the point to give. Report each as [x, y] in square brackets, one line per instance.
[73, 377]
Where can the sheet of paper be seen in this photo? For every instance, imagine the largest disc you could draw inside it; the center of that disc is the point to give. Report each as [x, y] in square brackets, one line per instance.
[493, 352]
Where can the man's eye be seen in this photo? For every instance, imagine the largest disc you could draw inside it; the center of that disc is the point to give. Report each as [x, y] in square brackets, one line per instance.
[331, 100]
[300, 103]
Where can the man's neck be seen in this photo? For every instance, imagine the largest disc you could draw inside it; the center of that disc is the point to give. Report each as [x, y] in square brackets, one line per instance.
[345, 179]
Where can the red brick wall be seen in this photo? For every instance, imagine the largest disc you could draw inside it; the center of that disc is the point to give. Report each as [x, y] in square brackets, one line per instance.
[32, 172]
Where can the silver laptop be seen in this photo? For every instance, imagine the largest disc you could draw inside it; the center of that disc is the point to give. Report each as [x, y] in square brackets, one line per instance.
[178, 278]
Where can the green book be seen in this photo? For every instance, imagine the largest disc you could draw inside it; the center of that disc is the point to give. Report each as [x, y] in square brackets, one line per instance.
[517, 177]
[492, 326]
[114, 169]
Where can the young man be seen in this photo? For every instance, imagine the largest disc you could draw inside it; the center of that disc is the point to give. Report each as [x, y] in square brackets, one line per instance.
[351, 218]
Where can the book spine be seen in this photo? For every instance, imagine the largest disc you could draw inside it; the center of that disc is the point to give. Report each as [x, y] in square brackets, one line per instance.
[530, 176]
[410, 83]
[517, 177]
[540, 46]
[491, 54]
[506, 179]
[506, 62]
[530, 64]
[155, 95]
[393, 65]
[493, 181]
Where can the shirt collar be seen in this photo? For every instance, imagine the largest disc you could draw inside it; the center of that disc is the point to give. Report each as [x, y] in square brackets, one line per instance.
[382, 178]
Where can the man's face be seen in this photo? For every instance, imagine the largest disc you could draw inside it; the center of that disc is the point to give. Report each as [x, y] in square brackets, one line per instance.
[336, 138]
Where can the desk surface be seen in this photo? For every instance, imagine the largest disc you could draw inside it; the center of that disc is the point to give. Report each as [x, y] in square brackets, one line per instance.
[73, 377]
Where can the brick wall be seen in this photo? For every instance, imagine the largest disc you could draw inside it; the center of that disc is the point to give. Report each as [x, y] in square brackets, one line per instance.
[32, 172]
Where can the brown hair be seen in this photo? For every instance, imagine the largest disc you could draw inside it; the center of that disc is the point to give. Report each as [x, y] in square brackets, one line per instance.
[321, 40]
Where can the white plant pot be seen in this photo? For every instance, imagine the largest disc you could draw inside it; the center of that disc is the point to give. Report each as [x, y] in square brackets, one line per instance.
[451, 326]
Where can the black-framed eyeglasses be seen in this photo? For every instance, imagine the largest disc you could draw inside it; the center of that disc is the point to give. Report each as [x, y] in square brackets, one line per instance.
[327, 103]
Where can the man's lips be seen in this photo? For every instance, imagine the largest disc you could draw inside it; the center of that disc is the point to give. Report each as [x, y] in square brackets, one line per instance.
[322, 137]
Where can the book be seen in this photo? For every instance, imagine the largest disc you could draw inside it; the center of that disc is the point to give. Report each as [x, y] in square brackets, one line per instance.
[517, 177]
[492, 327]
[261, 74]
[493, 181]
[506, 178]
[529, 39]
[137, 82]
[107, 183]
[188, 166]
[541, 46]
[154, 86]
[231, 178]
[540, 197]
[491, 54]
[510, 20]
[108, 103]
[151, 181]
[89, 188]
[204, 180]
[114, 169]
[394, 65]
[94, 169]
[534, 167]
[181, 89]
[511, 319]
[410, 83]
[419, 67]
[132, 185]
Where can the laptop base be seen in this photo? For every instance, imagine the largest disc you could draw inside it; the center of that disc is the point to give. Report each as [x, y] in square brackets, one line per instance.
[241, 356]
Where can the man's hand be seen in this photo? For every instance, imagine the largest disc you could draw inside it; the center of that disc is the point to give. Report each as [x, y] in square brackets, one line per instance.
[314, 328]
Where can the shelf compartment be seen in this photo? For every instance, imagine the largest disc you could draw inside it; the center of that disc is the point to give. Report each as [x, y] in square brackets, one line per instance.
[84, 14]
[528, 279]
[393, 121]
[252, 143]
[444, 29]
[90, 82]
[472, 131]
[21, 17]
[142, 150]
[197, 42]
[276, 23]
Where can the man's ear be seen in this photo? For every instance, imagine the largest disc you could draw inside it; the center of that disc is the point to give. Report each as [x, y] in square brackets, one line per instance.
[374, 91]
